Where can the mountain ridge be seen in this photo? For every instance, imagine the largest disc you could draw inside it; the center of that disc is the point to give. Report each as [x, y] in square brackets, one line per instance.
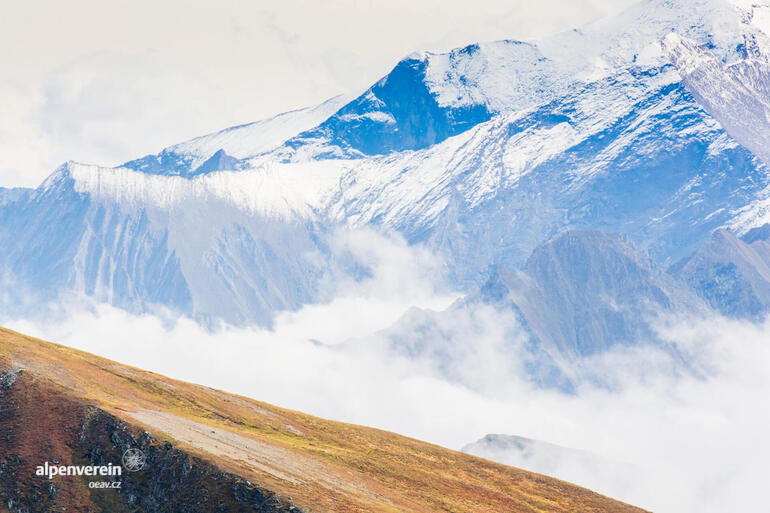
[322, 465]
[625, 148]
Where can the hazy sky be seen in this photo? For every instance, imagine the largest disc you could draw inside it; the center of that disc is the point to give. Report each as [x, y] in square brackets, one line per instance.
[104, 82]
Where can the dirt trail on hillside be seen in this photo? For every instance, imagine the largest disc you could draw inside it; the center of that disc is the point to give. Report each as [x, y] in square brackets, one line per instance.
[261, 456]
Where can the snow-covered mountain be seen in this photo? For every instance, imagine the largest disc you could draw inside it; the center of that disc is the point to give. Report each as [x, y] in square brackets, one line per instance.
[647, 124]
[191, 157]
[429, 97]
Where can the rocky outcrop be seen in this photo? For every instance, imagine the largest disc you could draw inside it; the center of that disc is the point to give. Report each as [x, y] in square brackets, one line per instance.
[8, 378]
[731, 274]
[39, 424]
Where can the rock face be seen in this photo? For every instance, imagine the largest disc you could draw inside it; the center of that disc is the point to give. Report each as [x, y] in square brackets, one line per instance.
[39, 425]
[8, 377]
[585, 292]
[732, 274]
[579, 295]
[736, 94]
[219, 161]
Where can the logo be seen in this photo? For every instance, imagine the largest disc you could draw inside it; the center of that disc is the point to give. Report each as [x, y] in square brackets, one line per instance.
[134, 460]
[51, 470]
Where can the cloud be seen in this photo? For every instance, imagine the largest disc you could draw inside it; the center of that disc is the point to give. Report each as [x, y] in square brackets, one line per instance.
[695, 434]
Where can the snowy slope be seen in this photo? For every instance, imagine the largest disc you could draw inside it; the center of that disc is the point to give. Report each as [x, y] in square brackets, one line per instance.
[495, 192]
[481, 154]
[737, 95]
[633, 37]
[11, 195]
[429, 97]
[238, 142]
[188, 246]
[633, 153]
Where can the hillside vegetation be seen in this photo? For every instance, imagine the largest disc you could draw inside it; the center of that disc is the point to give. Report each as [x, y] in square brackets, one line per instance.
[311, 463]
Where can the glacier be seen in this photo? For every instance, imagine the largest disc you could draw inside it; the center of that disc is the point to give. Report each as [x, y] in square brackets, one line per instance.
[617, 149]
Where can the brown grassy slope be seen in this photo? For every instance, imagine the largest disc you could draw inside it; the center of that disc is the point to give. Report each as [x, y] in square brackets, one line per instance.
[323, 466]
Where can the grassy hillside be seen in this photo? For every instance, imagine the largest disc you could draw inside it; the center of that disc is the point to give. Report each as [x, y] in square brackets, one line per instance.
[315, 464]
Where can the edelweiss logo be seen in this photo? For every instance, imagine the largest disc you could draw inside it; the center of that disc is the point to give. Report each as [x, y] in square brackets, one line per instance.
[134, 460]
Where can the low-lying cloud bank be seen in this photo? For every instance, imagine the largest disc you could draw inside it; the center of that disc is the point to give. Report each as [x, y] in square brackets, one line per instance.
[695, 436]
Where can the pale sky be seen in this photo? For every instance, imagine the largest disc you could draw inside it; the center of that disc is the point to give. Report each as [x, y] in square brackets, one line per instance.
[107, 81]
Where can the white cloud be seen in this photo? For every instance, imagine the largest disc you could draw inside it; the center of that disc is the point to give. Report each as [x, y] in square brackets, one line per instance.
[107, 82]
[697, 437]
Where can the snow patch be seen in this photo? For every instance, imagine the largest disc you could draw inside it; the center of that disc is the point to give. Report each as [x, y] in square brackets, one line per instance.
[277, 190]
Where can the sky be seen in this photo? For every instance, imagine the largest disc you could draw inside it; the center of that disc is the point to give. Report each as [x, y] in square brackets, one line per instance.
[105, 82]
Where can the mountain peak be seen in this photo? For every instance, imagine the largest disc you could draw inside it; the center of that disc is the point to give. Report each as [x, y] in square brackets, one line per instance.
[239, 142]
[219, 161]
[584, 291]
